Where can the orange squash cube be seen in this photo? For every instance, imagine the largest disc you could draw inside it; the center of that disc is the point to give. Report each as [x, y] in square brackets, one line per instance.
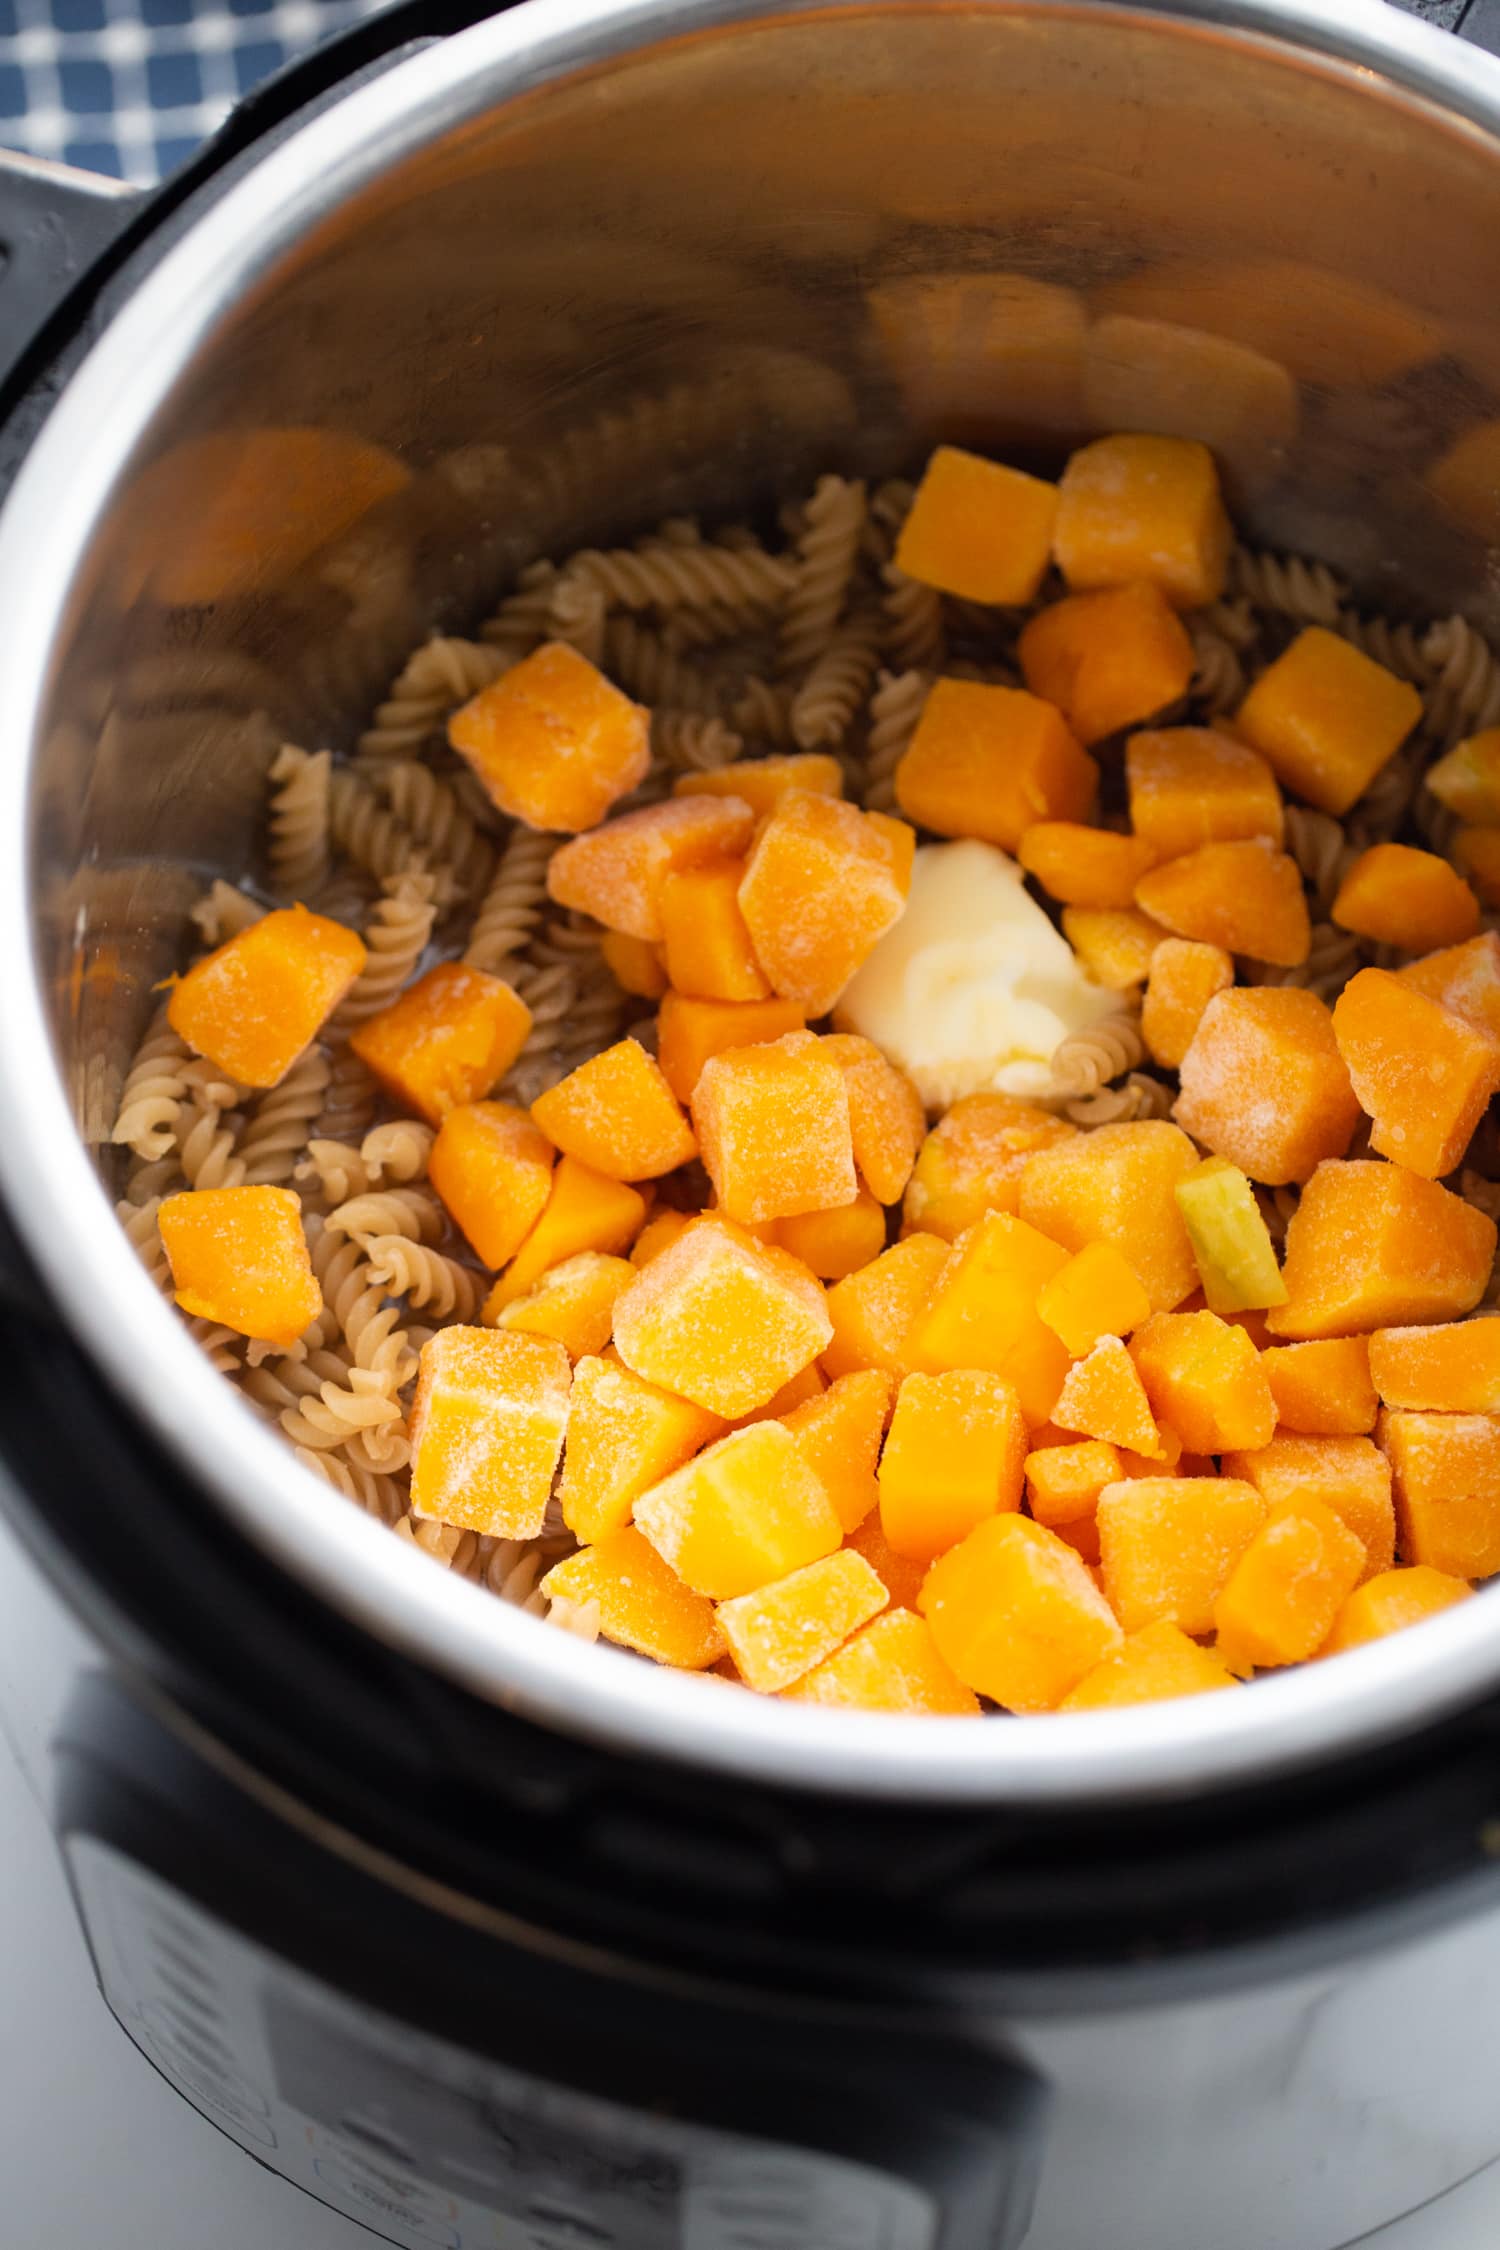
[989, 761]
[492, 1168]
[616, 873]
[1168, 1545]
[1350, 1475]
[554, 742]
[1467, 778]
[1016, 1614]
[1264, 1084]
[983, 1312]
[704, 939]
[661, 1228]
[1083, 1538]
[886, 1117]
[254, 1004]
[1328, 717]
[574, 1301]
[642, 1604]
[445, 1041]
[971, 1162]
[1184, 976]
[781, 1631]
[1246, 897]
[953, 1456]
[583, 1211]
[1445, 1472]
[1097, 1293]
[1424, 1074]
[1400, 896]
[1170, 1460]
[1203, 1376]
[1155, 1665]
[1466, 978]
[1322, 1389]
[1280, 1601]
[1144, 509]
[721, 1320]
[892, 1665]
[745, 1512]
[824, 884]
[1085, 866]
[1118, 1184]
[840, 1435]
[978, 529]
[1115, 945]
[1449, 1370]
[773, 1129]
[1391, 1602]
[617, 1114]
[834, 1244]
[239, 1259]
[635, 965]
[690, 1031]
[874, 1310]
[899, 1574]
[624, 1435]
[1104, 1398]
[1063, 1482]
[800, 1389]
[487, 1429]
[1194, 786]
[762, 782]
[1107, 660]
[1477, 852]
[1375, 1246]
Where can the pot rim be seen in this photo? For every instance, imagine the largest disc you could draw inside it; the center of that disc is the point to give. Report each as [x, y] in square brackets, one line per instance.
[63, 1216]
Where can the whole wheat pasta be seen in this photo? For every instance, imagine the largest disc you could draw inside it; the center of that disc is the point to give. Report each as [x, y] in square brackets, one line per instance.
[834, 689]
[276, 1129]
[1395, 643]
[895, 708]
[520, 623]
[152, 1097]
[222, 912]
[890, 505]
[410, 1211]
[223, 1346]
[762, 710]
[826, 551]
[349, 1110]
[515, 901]
[355, 1310]
[647, 666]
[913, 616]
[577, 616]
[581, 1619]
[363, 1409]
[443, 1543]
[274, 1385]
[430, 810]
[206, 1148]
[424, 1277]
[441, 675]
[1333, 957]
[380, 1495]
[1089, 1060]
[1320, 845]
[1463, 693]
[1234, 619]
[396, 936]
[299, 823]
[397, 1153]
[663, 575]
[512, 1569]
[1138, 1095]
[333, 1171]
[144, 1235]
[1287, 585]
[1383, 809]
[370, 834]
[690, 743]
[1218, 682]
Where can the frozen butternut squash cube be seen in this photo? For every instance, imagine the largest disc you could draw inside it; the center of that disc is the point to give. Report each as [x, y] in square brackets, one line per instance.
[253, 1005]
[953, 1457]
[446, 1040]
[690, 1031]
[1246, 897]
[616, 873]
[899, 1574]
[743, 1513]
[886, 1117]
[1193, 786]
[873, 1311]
[834, 1244]
[1445, 1473]
[642, 1603]
[1063, 1482]
[1085, 866]
[840, 1435]
[1016, 1614]
[892, 1665]
[1118, 1184]
[492, 1168]
[704, 939]
[1168, 1544]
[1097, 1293]
[487, 1429]
[1350, 1475]
[617, 1114]
[1115, 945]
[983, 1312]
[978, 529]
[1391, 1602]
[721, 1320]
[661, 1228]
[1477, 852]
[1279, 1602]
[1155, 1665]
[1397, 895]
[1104, 1398]
[773, 1129]
[1203, 1375]
[1230, 1239]
[1467, 779]
[583, 1211]
[1466, 978]
[239, 1259]
[1454, 1369]
[798, 1390]
[553, 741]
[574, 1301]
[1264, 1084]
[1328, 717]
[1146, 509]
[971, 1162]
[1107, 660]
[1322, 1389]
[989, 761]
[1424, 1074]
[763, 782]
[624, 1435]
[636, 966]
[1183, 977]
[824, 883]
[1375, 1246]
[781, 1631]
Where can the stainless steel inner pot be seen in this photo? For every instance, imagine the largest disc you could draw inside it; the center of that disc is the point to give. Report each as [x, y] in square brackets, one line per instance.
[587, 263]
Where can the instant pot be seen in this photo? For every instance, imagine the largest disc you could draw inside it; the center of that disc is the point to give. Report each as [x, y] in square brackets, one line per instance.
[477, 1934]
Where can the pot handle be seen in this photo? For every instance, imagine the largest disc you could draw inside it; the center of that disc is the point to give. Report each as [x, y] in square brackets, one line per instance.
[54, 222]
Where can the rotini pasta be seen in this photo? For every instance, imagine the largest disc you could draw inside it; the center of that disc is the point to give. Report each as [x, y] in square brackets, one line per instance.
[1090, 1060]
[300, 811]
[666, 575]
[1137, 1095]
[413, 1212]
[895, 708]
[153, 1094]
[826, 551]
[1288, 586]
[836, 685]
[397, 1153]
[396, 937]
[514, 903]
[222, 912]
[432, 813]
[424, 1277]
[689, 743]
[913, 620]
[276, 1130]
[443, 674]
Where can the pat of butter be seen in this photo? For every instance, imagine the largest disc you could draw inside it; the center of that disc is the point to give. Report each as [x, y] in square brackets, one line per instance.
[973, 990]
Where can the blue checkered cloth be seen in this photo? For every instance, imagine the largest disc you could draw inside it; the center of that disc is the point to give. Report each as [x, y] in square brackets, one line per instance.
[131, 87]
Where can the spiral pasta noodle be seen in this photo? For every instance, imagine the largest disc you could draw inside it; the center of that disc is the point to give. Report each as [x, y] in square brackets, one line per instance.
[396, 1154]
[1396, 644]
[514, 903]
[379, 1494]
[300, 807]
[276, 1130]
[153, 1094]
[1218, 682]
[396, 937]
[1321, 848]
[762, 711]
[430, 810]
[413, 1212]
[649, 667]
[1138, 1095]
[349, 1109]
[222, 912]
[520, 623]
[689, 743]
[333, 1171]
[425, 1277]
[1087, 1061]
[370, 834]
[206, 1148]
[826, 552]
[1463, 692]
[895, 708]
[1333, 957]
[913, 617]
[441, 675]
[837, 684]
[577, 616]
[1287, 585]
[144, 1237]
[665, 575]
